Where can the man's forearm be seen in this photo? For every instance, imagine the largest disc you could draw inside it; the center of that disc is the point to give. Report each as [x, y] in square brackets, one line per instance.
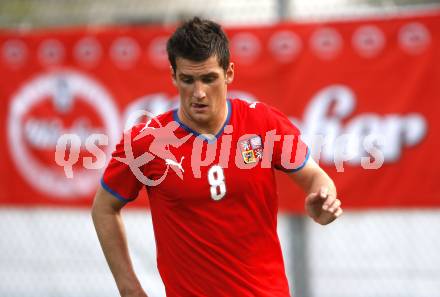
[321, 180]
[312, 179]
[111, 234]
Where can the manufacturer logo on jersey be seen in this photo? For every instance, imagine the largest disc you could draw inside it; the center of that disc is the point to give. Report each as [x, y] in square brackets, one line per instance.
[251, 149]
[174, 163]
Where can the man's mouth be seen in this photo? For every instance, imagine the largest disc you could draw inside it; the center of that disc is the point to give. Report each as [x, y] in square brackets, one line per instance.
[199, 106]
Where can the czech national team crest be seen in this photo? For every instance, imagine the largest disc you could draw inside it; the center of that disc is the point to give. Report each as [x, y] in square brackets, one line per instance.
[251, 149]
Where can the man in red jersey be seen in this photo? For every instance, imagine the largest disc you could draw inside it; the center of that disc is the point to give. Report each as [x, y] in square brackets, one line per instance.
[215, 212]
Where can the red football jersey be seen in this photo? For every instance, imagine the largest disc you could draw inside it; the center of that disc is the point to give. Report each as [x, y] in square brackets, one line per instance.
[214, 200]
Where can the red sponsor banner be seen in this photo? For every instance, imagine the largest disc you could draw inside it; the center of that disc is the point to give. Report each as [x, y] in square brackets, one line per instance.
[364, 93]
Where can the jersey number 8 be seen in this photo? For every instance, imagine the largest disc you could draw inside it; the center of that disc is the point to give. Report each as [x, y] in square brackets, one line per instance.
[216, 180]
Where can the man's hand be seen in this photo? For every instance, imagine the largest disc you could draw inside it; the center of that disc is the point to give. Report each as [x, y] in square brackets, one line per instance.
[323, 207]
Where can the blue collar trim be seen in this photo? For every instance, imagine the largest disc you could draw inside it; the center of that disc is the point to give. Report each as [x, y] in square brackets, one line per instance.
[197, 134]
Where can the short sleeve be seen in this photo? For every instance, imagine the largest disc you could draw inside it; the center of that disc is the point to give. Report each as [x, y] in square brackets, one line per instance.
[118, 178]
[290, 153]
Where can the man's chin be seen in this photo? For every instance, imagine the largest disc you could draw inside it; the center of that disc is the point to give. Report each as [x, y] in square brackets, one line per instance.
[201, 118]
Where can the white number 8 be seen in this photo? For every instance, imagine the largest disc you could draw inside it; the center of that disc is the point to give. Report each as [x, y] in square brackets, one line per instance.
[216, 180]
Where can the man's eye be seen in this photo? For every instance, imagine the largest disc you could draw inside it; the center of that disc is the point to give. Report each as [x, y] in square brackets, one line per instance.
[187, 80]
[208, 80]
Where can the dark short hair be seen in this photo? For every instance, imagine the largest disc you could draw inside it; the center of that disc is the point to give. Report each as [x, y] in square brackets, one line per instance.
[197, 40]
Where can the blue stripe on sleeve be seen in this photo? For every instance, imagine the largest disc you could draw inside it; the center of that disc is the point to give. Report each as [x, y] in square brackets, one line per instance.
[116, 195]
[301, 166]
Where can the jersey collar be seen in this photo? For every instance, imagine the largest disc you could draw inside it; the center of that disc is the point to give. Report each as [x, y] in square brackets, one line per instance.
[197, 134]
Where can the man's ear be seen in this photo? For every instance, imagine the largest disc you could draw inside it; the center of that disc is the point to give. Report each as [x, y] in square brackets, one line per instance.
[173, 76]
[230, 73]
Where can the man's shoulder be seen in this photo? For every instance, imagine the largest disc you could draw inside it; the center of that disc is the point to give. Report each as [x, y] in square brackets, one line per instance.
[256, 108]
[260, 114]
[146, 130]
[248, 106]
[249, 109]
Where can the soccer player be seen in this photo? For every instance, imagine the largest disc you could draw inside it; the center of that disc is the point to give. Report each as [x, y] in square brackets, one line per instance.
[210, 181]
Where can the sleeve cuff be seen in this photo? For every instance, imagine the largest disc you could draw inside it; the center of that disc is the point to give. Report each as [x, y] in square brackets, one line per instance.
[115, 194]
[299, 167]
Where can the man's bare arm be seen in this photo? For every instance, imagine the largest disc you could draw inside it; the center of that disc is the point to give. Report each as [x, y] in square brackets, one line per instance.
[321, 204]
[106, 214]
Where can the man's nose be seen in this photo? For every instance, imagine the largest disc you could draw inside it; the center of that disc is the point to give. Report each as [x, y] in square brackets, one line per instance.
[199, 92]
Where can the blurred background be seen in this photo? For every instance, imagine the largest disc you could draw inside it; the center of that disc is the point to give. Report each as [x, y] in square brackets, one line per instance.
[335, 67]
[52, 13]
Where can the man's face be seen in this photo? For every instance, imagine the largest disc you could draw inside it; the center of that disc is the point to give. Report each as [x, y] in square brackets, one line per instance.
[202, 88]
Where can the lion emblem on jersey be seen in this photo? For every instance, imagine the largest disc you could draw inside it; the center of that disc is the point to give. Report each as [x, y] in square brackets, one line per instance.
[251, 149]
